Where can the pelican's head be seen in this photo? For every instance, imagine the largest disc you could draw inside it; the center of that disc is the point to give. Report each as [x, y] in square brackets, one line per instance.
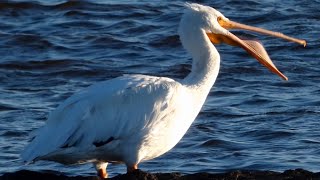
[217, 26]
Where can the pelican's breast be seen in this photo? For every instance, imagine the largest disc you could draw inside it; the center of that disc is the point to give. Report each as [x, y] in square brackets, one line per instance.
[168, 123]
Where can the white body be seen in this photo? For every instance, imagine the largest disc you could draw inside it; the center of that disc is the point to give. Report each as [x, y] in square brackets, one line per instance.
[134, 117]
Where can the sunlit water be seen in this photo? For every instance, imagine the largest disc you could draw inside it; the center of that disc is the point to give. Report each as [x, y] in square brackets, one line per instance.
[251, 120]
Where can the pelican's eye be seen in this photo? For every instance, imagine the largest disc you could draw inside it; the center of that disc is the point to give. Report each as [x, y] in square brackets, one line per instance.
[224, 23]
[221, 21]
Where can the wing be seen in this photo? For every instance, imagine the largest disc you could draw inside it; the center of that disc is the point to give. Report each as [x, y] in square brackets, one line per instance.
[113, 109]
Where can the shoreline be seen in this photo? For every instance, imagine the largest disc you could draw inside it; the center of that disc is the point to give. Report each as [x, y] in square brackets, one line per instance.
[139, 174]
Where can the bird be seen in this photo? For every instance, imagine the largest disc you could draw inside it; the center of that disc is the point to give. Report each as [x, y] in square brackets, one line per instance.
[134, 118]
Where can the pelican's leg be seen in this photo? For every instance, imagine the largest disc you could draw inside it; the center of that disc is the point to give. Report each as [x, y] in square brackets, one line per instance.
[101, 168]
[131, 168]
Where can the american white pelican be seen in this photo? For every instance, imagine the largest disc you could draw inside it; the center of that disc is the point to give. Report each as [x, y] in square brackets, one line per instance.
[134, 118]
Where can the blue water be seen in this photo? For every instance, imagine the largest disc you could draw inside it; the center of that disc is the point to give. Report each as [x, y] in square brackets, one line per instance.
[251, 120]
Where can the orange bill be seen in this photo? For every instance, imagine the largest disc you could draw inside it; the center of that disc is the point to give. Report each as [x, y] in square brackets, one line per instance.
[253, 47]
[227, 24]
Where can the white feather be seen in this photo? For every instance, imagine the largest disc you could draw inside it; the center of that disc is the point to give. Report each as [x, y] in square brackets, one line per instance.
[113, 109]
[133, 118]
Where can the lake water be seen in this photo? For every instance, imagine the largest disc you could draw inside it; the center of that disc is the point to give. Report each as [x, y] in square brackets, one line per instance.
[251, 120]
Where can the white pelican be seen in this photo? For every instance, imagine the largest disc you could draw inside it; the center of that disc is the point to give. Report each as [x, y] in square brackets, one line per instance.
[134, 118]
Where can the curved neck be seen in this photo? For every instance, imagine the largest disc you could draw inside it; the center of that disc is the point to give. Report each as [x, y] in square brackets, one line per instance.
[206, 62]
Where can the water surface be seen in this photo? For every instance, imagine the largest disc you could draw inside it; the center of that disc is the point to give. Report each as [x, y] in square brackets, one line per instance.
[251, 120]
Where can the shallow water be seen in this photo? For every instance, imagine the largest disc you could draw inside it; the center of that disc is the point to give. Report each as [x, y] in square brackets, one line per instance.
[251, 120]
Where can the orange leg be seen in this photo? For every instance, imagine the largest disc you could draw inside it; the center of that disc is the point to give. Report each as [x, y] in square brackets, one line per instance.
[101, 168]
[132, 168]
[102, 173]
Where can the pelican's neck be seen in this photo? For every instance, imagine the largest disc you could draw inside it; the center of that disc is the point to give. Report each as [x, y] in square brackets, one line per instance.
[206, 62]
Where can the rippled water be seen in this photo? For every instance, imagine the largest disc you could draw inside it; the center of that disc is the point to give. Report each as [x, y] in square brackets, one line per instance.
[251, 120]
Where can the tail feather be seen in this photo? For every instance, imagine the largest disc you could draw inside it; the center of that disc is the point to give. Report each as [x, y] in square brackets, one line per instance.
[28, 155]
[39, 146]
